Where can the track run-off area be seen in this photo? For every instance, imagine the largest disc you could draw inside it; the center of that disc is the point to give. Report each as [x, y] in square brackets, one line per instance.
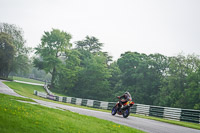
[150, 126]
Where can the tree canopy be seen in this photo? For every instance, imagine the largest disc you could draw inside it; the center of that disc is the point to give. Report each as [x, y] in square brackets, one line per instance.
[17, 52]
[7, 52]
[54, 45]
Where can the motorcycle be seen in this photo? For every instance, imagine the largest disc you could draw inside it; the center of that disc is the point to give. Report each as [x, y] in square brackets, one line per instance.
[124, 109]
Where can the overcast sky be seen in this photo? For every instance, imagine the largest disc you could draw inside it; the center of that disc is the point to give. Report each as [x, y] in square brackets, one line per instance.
[146, 26]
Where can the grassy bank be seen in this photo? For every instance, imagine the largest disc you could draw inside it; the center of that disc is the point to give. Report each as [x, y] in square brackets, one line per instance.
[24, 117]
[27, 90]
[36, 81]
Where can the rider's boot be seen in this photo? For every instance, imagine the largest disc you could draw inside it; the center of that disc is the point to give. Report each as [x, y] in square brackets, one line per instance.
[119, 107]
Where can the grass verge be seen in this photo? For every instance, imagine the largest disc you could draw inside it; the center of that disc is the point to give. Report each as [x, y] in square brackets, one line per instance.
[180, 123]
[58, 93]
[27, 80]
[23, 117]
[27, 90]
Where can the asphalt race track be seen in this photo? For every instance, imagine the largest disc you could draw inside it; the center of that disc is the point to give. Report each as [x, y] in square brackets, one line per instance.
[146, 125]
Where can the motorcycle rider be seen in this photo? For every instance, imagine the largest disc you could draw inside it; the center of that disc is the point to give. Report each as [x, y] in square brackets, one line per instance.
[124, 98]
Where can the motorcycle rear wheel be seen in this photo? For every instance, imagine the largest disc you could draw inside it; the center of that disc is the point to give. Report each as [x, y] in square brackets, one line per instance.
[114, 110]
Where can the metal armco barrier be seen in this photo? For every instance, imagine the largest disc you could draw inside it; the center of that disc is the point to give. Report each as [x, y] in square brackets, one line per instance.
[149, 110]
[96, 104]
[51, 97]
[172, 113]
[90, 103]
[41, 94]
[64, 100]
[104, 105]
[111, 105]
[156, 111]
[78, 101]
[73, 100]
[84, 102]
[47, 90]
[60, 99]
[134, 108]
[190, 115]
[142, 109]
[35, 92]
[68, 99]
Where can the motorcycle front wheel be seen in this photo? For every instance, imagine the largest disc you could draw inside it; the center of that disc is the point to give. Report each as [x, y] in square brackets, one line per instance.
[126, 113]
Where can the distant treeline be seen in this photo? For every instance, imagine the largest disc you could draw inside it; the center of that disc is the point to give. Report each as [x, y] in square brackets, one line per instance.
[83, 70]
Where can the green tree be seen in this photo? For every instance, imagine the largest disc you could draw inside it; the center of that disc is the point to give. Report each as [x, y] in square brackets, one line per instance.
[54, 45]
[141, 76]
[181, 84]
[115, 80]
[192, 91]
[158, 65]
[20, 63]
[90, 44]
[108, 57]
[68, 72]
[16, 34]
[93, 79]
[174, 81]
[7, 52]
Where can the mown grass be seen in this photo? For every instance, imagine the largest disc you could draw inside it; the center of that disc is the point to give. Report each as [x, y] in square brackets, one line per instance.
[58, 93]
[24, 117]
[27, 80]
[27, 90]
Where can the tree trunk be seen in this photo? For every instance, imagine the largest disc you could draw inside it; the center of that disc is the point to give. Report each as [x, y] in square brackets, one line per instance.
[53, 78]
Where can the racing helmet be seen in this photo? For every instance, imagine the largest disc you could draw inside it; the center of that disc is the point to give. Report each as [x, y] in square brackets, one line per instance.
[128, 94]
